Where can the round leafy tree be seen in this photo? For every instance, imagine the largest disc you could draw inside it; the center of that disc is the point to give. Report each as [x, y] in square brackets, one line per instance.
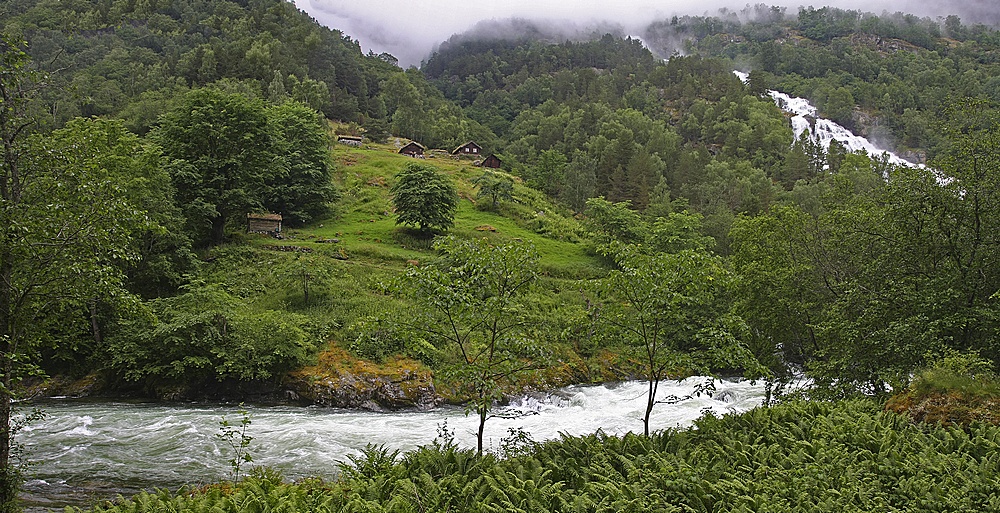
[424, 198]
[223, 151]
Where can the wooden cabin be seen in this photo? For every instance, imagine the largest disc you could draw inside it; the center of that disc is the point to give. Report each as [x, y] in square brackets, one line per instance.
[492, 161]
[412, 149]
[269, 224]
[350, 140]
[470, 148]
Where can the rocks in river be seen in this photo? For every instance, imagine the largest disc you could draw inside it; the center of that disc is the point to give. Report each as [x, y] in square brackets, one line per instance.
[343, 381]
[338, 380]
[367, 391]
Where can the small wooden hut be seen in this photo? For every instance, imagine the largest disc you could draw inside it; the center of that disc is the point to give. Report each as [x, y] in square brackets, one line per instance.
[492, 161]
[264, 223]
[412, 149]
[350, 140]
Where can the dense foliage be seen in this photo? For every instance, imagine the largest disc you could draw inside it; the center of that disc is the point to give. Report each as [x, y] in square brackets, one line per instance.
[793, 457]
[862, 285]
[230, 156]
[203, 336]
[133, 58]
[676, 227]
[67, 227]
[221, 147]
[839, 263]
[607, 118]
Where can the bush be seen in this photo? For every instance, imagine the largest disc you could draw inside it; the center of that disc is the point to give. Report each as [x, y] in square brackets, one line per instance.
[958, 388]
[207, 335]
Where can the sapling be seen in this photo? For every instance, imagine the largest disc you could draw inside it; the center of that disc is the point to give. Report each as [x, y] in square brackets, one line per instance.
[235, 435]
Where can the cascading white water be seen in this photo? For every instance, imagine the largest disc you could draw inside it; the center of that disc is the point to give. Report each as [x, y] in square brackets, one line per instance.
[805, 118]
[88, 450]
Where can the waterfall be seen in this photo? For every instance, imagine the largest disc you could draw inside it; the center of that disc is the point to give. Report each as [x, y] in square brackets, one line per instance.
[805, 119]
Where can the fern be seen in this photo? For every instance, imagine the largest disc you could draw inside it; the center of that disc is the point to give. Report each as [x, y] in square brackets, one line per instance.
[846, 456]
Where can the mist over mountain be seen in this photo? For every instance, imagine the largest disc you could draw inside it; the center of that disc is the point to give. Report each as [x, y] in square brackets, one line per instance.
[411, 31]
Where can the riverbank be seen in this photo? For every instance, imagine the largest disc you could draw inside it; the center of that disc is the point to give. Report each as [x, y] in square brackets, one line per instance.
[339, 379]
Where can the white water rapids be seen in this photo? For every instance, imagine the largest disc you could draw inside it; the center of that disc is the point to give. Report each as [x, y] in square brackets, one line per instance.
[86, 451]
[805, 118]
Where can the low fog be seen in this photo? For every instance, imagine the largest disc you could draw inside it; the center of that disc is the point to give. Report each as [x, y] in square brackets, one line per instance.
[412, 30]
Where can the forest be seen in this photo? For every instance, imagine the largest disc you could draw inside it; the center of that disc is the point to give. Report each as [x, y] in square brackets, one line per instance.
[654, 218]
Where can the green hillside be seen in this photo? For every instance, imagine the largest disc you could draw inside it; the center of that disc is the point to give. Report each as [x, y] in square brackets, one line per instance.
[831, 262]
[652, 219]
[335, 273]
[365, 222]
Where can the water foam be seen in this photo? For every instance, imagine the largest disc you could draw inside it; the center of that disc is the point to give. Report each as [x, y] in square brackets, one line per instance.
[805, 119]
[128, 447]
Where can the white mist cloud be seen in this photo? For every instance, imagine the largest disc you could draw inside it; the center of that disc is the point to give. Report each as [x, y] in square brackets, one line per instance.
[411, 30]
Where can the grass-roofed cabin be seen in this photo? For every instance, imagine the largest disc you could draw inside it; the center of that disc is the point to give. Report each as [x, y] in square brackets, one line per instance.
[350, 140]
[269, 224]
[470, 149]
[412, 149]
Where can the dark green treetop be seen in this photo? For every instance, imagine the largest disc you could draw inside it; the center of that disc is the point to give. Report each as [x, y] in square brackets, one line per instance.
[222, 148]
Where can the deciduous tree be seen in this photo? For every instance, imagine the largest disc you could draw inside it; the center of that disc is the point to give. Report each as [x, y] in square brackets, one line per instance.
[222, 146]
[473, 304]
[63, 225]
[494, 186]
[137, 166]
[424, 198]
[668, 307]
[304, 190]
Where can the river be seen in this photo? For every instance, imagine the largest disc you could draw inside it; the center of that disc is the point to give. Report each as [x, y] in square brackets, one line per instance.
[88, 451]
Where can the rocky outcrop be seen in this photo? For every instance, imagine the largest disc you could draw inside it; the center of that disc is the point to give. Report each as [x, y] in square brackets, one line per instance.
[63, 386]
[341, 380]
[370, 391]
[338, 379]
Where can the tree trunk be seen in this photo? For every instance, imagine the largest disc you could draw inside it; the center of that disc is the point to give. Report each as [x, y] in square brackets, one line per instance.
[305, 287]
[218, 229]
[650, 401]
[9, 480]
[8, 476]
[482, 426]
[11, 125]
[95, 326]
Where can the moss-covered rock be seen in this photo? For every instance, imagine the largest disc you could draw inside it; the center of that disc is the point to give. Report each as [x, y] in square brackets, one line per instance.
[341, 380]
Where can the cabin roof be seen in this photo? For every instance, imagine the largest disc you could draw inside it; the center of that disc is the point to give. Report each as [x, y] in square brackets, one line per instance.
[268, 217]
[470, 143]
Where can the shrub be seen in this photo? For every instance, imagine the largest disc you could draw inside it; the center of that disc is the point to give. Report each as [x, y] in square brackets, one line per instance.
[957, 388]
[208, 335]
